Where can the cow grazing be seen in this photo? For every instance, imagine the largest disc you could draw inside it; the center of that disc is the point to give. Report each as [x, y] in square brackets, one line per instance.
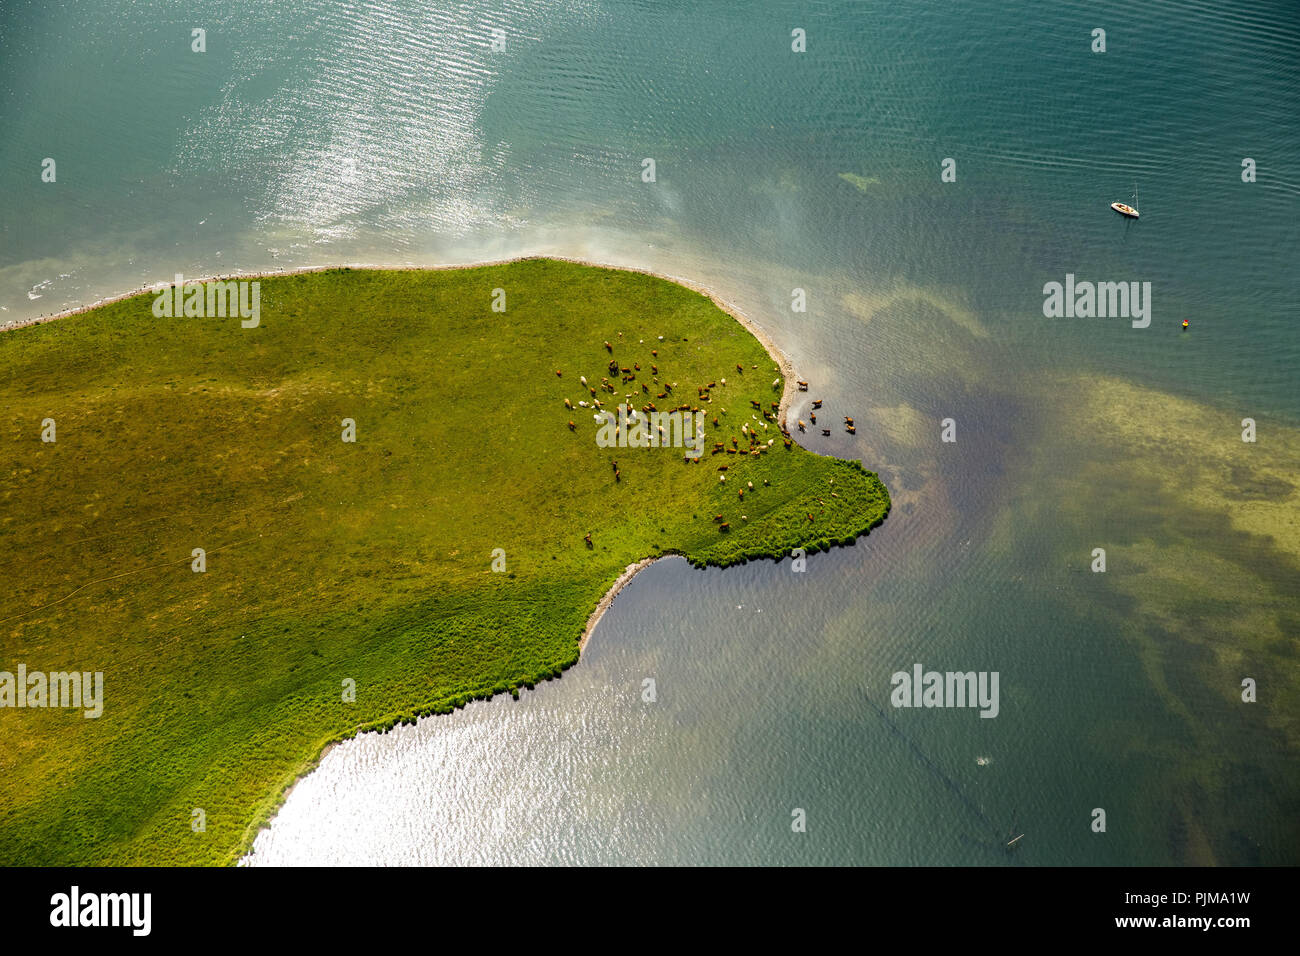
[568, 404]
[803, 386]
[802, 426]
[826, 432]
[571, 425]
[817, 403]
[587, 538]
[609, 348]
[850, 429]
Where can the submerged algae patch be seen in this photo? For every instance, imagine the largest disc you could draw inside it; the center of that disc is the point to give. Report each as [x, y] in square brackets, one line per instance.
[1202, 538]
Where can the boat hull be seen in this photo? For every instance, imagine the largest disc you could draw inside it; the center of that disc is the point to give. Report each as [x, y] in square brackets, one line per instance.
[1124, 209]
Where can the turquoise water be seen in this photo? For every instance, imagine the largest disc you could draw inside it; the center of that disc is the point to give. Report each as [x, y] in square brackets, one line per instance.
[319, 133]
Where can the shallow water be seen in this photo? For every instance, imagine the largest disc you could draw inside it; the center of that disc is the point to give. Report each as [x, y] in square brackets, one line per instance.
[314, 133]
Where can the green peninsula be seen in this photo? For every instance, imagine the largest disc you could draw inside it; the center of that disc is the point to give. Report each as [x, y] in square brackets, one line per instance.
[441, 557]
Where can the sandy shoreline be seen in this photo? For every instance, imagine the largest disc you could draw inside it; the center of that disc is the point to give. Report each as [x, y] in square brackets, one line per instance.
[605, 602]
[778, 356]
[781, 360]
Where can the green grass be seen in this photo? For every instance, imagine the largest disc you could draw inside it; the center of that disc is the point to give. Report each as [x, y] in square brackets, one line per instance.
[327, 560]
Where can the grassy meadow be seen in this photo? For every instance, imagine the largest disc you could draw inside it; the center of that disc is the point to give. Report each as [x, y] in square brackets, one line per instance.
[327, 560]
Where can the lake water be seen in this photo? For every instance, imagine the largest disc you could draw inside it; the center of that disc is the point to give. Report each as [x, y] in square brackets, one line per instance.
[313, 133]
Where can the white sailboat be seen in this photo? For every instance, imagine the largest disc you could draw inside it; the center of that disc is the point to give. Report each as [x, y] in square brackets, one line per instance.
[1124, 209]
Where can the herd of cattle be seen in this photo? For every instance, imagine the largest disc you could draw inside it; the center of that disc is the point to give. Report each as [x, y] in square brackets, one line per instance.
[754, 444]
